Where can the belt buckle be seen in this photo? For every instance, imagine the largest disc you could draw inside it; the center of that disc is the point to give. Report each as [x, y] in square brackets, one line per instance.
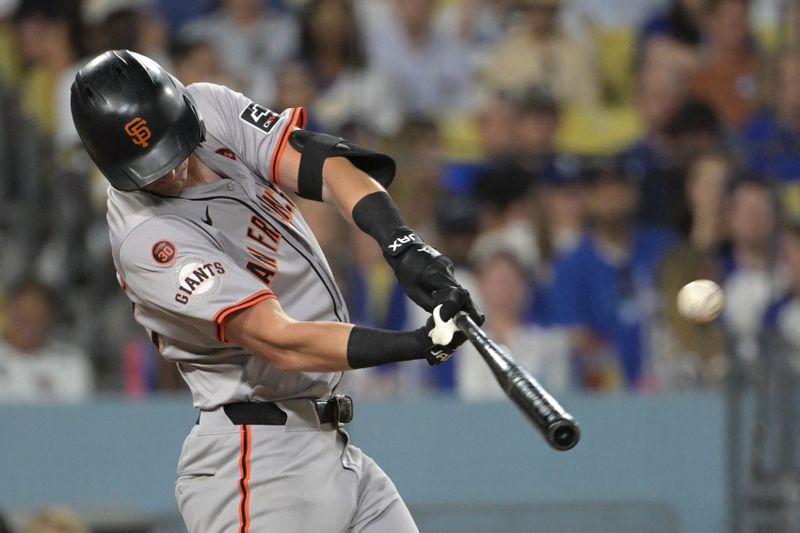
[342, 406]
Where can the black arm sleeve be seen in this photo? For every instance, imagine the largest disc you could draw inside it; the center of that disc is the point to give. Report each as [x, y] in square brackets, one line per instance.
[377, 215]
[372, 347]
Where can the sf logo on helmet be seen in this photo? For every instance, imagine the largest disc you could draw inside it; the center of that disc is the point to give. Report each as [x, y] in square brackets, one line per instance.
[138, 131]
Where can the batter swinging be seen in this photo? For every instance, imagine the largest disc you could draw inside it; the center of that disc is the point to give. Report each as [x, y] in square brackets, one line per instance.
[232, 286]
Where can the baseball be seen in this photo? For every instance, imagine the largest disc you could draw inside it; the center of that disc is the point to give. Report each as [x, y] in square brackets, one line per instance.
[700, 301]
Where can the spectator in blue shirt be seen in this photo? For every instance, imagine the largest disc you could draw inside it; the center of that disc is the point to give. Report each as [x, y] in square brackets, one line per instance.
[771, 138]
[604, 286]
[559, 217]
[659, 166]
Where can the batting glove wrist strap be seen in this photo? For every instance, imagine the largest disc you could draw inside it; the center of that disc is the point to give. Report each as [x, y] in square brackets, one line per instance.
[401, 240]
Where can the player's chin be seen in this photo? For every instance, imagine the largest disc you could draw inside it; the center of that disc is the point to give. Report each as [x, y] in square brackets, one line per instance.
[171, 183]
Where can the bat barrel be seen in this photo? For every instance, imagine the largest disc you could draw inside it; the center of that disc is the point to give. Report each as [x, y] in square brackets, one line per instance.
[563, 434]
[558, 427]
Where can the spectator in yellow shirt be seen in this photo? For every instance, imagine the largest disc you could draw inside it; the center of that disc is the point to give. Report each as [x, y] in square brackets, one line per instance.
[535, 53]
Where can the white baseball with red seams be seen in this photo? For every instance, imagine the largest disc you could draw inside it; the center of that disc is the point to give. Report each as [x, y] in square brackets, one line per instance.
[700, 301]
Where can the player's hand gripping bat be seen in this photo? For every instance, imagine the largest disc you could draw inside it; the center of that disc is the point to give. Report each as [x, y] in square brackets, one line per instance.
[558, 427]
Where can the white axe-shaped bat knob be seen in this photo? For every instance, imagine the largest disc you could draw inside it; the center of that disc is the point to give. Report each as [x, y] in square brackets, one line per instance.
[442, 332]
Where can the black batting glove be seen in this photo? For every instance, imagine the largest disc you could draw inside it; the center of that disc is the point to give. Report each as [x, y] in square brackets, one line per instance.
[420, 268]
[434, 353]
[426, 275]
[454, 299]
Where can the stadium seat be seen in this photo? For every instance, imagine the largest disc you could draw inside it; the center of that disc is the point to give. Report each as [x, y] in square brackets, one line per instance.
[615, 54]
[598, 131]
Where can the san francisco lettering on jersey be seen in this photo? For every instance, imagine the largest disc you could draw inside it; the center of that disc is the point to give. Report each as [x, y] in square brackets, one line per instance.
[267, 238]
[277, 204]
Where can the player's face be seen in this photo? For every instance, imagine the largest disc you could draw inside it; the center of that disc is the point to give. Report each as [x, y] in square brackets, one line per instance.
[171, 183]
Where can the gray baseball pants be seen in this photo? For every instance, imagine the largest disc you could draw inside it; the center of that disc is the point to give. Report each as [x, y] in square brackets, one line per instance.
[299, 478]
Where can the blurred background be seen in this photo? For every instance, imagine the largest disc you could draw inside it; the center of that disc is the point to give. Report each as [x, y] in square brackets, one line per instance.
[580, 161]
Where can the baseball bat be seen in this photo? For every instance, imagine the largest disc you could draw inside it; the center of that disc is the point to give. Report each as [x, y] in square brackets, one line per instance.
[558, 427]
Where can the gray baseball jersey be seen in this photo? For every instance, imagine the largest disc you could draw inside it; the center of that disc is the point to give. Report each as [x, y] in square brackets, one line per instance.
[187, 262]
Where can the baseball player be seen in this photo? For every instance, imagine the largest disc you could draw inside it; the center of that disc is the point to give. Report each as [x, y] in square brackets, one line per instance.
[232, 286]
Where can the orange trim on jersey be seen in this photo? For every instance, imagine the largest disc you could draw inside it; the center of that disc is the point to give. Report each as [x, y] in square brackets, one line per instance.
[297, 119]
[302, 119]
[225, 312]
[244, 480]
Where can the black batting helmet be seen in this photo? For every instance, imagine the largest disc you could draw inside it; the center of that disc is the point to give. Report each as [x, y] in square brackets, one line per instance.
[135, 119]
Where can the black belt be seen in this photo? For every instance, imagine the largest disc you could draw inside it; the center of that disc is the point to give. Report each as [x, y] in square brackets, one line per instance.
[337, 410]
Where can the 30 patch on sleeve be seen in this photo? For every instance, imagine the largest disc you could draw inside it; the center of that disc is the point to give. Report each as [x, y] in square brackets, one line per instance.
[164, 252]
[259, 117]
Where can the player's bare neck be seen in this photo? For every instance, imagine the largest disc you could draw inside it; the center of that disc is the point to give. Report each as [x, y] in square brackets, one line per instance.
[199, 173]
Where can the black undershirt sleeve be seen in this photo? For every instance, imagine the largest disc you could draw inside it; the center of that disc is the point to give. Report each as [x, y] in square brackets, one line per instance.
[368, 347]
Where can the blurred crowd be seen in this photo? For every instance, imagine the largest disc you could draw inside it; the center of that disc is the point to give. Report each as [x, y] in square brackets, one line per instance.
[48, 520]
[578, 161]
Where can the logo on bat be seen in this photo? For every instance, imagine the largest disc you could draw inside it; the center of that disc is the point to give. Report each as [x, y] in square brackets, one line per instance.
[138, 131]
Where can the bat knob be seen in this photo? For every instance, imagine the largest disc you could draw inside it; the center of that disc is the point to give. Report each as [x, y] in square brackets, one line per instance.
[564, 434]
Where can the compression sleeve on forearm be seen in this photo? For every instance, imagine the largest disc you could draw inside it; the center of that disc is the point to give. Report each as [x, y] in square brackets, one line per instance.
[377, 215]
[372, 347]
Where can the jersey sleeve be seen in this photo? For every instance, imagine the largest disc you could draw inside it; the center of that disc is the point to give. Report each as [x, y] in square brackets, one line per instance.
[257, 135]
[178, 270]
